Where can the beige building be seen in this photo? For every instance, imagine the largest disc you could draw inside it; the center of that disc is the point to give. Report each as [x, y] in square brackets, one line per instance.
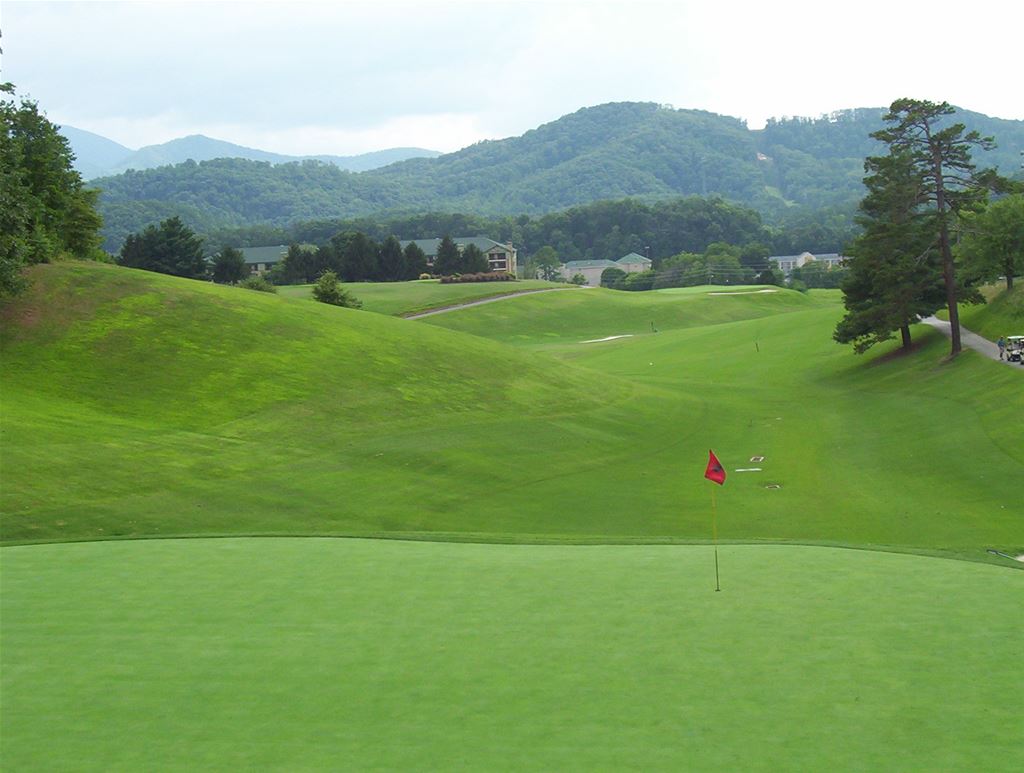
[592, 269]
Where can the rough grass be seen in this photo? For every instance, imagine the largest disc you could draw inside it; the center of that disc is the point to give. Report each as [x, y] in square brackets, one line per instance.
[313, 654]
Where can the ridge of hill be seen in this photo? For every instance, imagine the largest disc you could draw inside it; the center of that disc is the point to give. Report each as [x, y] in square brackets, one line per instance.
[605, 152]
[97, 156]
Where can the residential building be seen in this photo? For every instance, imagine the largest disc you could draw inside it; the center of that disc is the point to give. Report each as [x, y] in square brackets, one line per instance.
[261, 259]
[787, 263]
[592, 269]
[500, 257]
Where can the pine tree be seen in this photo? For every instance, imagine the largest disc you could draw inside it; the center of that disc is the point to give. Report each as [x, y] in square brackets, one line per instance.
[950, 185]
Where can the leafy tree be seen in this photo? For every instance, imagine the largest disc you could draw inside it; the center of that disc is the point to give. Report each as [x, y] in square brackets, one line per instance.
[329, 290]
[170, 248]
[448, 260]
[547, 263]
[392, 261]
[229, 266]
[578, 279]
[894, 269]
[613, 278]
[415, 261]
[949, 185]
[473, 260]
[993, 241]
[45, 211]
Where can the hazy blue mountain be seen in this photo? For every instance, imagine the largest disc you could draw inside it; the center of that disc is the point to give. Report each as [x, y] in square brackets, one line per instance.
[97, 156]
[94, 155]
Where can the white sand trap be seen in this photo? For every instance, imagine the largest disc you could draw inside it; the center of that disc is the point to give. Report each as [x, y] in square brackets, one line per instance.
[745, 292]
[609, 338]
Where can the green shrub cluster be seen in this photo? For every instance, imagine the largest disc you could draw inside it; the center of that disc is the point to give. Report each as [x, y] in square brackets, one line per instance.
[487, 276]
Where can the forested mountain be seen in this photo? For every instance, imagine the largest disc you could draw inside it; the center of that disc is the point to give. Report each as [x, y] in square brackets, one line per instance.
[97, 156]
[611, 151]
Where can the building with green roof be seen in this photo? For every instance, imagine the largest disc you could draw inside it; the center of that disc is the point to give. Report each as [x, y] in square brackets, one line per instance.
[592, 269]
[500, 257]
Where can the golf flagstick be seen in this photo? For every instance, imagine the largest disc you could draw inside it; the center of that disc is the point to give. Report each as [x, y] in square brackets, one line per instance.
[714, 537]
[716, 474]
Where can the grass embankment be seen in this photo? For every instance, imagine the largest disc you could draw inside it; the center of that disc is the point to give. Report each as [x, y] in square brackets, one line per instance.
[403, 298]
[159, 407]
[1003, 315]
[347, 654]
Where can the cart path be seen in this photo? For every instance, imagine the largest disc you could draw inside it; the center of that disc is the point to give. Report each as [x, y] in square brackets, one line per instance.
[968, 339]
[481, 301]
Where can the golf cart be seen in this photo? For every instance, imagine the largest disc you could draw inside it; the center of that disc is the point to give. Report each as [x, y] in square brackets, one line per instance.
[1015, 349]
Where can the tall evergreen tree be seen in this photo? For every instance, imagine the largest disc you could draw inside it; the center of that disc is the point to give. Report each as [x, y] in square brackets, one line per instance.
[170, 248]
[447, 261]
[950, 185]
[359, 258]
[473, 260]
[392, 261]
[894, 275]
[415, 261]
[229, 266]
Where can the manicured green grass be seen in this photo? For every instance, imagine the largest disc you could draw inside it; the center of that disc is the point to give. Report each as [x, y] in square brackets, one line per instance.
[597, 313]
[312, 654]
[142, 405]
[1003, 315]
[399, 298]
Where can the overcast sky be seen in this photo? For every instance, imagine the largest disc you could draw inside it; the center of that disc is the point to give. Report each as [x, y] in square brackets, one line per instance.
[349, 77]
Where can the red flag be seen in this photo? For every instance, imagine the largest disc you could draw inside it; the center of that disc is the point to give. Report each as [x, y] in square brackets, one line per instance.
[715, 471]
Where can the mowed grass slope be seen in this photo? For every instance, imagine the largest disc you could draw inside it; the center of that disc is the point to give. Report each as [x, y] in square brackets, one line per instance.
[409, 297]
[179, 408]
[135, 403]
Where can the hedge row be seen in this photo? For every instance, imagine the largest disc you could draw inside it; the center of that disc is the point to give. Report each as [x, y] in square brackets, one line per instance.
[490, 276]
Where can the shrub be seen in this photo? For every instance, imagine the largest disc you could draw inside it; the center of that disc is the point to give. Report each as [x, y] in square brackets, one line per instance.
[259, 283]
[426, 276]
[329, 290]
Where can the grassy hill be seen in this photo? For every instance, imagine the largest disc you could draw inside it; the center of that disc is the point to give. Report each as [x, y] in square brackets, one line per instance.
[139, 405]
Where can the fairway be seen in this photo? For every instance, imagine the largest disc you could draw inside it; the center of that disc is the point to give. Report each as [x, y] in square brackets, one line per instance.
[544, 595]
[301, 654]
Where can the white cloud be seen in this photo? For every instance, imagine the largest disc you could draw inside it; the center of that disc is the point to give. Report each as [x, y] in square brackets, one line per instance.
[341, 75]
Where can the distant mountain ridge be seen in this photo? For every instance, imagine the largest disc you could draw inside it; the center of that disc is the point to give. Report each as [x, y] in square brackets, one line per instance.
[97, 156]
[611, 151]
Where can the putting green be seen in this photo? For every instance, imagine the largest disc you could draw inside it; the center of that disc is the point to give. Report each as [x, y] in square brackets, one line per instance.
[300, 654]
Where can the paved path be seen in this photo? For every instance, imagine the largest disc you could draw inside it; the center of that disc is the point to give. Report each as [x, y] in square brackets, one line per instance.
[968, 339]
[455, 306]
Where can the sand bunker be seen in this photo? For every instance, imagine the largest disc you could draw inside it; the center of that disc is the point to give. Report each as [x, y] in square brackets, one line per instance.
[609, 338]
[744, 292]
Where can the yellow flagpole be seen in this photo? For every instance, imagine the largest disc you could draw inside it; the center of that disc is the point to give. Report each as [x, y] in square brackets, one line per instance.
[714, 535]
